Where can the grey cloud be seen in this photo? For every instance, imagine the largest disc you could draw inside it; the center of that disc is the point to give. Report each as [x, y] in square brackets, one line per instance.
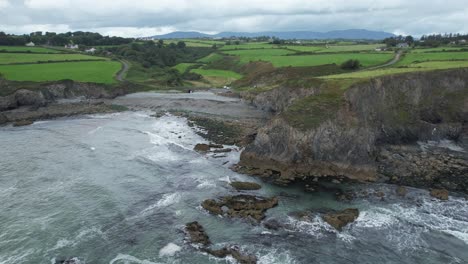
[135, 18]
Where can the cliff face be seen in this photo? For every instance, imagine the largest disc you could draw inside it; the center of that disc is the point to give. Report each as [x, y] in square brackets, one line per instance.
[367, 133]
[41, 94]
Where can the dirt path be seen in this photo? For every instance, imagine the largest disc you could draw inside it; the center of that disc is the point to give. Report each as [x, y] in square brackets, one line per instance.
[390, 63]
[121, 74]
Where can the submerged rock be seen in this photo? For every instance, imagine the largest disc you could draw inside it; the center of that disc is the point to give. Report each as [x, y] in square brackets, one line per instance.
[234, 252]
[401, 191]
[22, 123]
[441, 194]
[197, 234]
[202, 148]
[340, 219]
[246, 186]
[242, 206]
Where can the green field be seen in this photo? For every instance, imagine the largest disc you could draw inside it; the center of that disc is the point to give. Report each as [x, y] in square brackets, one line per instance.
[440, 49]
[336, 48]
[366, 59]
[8, 58]
[433, 56]
[210, 58]
[28, 49]
[250, 45]
[95, 71]
[424, 66]
[259, 53]
[182, 67]
[217, 73]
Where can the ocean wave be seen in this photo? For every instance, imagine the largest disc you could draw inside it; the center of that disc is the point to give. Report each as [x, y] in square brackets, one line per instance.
[82, 236]
[167, 200]
[169, 250]
[128, 259]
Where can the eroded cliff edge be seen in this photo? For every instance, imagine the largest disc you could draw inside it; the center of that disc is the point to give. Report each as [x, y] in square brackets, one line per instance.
[371, 131]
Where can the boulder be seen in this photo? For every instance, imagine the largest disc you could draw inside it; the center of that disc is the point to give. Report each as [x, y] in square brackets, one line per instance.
[197, 234]
[234, 252]
[227, 150]
[401, 191]
[441, 194]
[246, 186]
[342, 218]
[202, 148]
[27, 97]
[242, 206]
[7, 102]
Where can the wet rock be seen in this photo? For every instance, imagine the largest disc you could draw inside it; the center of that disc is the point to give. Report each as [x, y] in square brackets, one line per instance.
[67, 261]
[217, 146]
[202, 148]
[22, 123]
[242, 206]
[379, 194]
[246, 186]
[401, 191]
[441, 194]
[197, 234]
[222, 150]
[343, 196]
[342, 218]
[272, 224]
[234, 252]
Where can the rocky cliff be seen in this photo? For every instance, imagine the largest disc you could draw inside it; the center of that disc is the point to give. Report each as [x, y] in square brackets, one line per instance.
[39, 94]
[368, 132]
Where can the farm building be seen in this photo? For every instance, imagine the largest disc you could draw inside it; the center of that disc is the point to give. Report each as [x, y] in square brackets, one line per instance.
[402, 45]
[91, 50]
[30, 44]
[71, 46]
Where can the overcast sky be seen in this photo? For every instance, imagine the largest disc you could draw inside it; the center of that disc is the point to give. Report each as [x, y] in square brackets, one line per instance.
[139, 18]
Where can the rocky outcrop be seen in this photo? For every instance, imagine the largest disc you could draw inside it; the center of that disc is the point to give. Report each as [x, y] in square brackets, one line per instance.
[241, 206]
[246, 186]
[39, 94]
[440, 194]
[197, 234]
[234, 252]
[340, 219]
[359, 133]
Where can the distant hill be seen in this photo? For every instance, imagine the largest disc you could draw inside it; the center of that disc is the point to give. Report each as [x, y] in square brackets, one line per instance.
[337, 34]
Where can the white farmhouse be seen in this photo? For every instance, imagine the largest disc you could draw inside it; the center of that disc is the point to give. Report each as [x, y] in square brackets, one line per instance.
[91, 50]
[30, 44]
[71, 46]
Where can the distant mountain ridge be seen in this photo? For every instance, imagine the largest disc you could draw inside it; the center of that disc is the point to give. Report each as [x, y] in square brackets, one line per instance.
[306, 35]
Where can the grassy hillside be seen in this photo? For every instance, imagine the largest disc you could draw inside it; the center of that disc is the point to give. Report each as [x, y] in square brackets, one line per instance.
[27, 49]
[8, 58]
[95, 71]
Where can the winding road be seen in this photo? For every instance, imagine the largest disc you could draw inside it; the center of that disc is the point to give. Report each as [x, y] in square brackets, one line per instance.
[121, 74]
[390, 63]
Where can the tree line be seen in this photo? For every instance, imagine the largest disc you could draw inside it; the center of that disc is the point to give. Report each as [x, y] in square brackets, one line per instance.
[61, 39]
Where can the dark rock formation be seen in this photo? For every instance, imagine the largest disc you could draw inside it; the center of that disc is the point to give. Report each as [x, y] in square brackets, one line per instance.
[366, 133]
[401, 191]
[202, 148]
[197, 234]
[440, 194]
[234, 252]
[340, 219]
[246, 186]
[242, 206]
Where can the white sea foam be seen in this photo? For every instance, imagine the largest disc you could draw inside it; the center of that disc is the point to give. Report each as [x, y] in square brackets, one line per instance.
[167, 200]
[169, 250]
[276, 256]
[128, 259]
[316, 227]
[82, 236]
[445, 143]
